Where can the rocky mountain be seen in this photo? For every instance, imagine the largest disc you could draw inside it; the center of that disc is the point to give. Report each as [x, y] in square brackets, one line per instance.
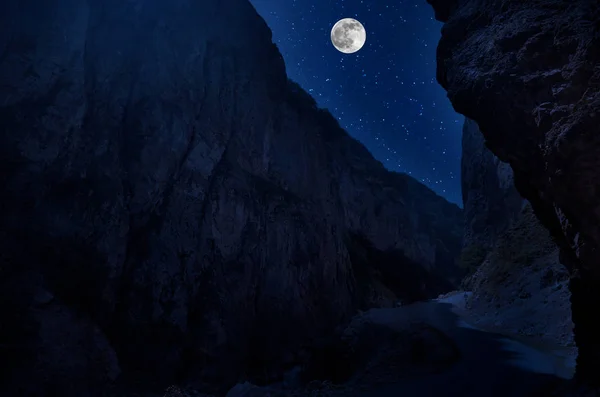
[518, 286]
[174, 207]
[528, 74]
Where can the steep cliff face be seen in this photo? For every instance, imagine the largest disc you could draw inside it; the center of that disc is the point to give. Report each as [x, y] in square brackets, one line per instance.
[490, 199]
[173, 205]
[518, 286]
[528, 73]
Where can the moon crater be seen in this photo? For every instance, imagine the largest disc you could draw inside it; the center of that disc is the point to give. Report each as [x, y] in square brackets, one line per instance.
[348, 35]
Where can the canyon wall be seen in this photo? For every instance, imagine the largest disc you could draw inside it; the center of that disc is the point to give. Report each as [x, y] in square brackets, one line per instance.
[529, 74]
[490, 200]
[518, 286]
[173, 206]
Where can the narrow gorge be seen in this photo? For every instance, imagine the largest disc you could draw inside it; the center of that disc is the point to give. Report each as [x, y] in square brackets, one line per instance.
[175, 210]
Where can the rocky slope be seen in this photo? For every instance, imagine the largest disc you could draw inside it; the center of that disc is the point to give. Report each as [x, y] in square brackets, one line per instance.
[490, 200]
[521, 287]
[528, 73]
[174, 207]
[518, 286]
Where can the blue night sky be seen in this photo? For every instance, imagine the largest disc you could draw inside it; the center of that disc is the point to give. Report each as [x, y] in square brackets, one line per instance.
[385, 95]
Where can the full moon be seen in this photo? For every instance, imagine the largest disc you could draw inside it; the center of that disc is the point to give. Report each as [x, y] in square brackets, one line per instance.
[348, 35]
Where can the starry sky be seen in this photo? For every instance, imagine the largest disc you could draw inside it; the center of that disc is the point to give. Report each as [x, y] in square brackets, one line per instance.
[384, 95]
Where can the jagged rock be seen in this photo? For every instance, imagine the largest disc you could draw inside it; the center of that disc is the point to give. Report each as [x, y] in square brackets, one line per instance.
[528, 73]
[517, 285]
[518, 289]
[176, 391]
[249, 390]
[167, 182]
[490, 199]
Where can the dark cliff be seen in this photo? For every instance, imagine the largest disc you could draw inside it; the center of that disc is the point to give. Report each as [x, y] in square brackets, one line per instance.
[528, 73]
[518, 286]
[490, 200]
[173, 206]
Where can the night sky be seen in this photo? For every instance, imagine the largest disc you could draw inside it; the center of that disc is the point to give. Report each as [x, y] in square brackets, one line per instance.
[384, 95]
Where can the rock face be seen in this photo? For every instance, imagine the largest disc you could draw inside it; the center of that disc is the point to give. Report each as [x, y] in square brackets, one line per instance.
[490, 199]
[177, 208]
[518, 286]
[528, 73]
[521, 287]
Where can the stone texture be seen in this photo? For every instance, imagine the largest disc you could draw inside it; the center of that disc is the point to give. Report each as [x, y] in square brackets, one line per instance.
[528, 73]
[518, 286]
[490, 200]
[187, 207]
[521, 287]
